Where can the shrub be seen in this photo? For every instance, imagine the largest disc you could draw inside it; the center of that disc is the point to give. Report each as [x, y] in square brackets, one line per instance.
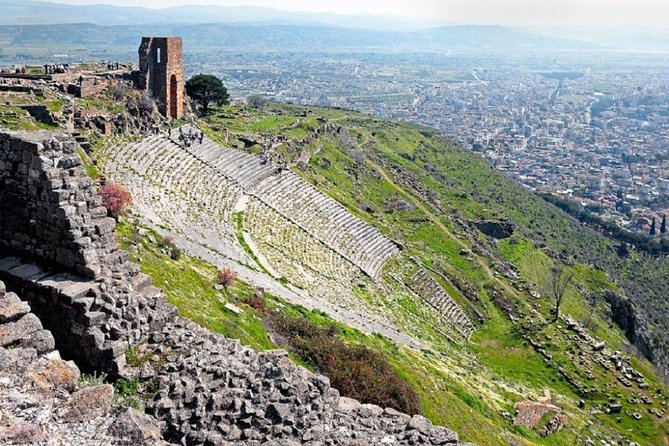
[256, 301]
[127, 394]
[175, 253]
[115, 198]
[118, 93]
[226, 277]
[92, 380]
[356, 371]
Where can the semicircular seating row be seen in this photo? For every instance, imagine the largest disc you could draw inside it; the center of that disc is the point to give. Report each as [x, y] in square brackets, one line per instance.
[226, 174]
[423, 284]
[303, 204]
[172, 188]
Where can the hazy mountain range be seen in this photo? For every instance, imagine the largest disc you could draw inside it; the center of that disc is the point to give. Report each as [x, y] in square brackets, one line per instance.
[29, 12]
[27, 26]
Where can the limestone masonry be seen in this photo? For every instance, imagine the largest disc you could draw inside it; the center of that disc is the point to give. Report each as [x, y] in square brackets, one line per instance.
[80, 295]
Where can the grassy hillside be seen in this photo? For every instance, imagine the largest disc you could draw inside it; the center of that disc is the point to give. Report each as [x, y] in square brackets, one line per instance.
[421, 190]
[426, 193]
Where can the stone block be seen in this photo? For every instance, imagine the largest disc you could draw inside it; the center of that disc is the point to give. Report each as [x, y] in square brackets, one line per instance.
[11, 307]
[87, 404]
[54, 374]
[14, 332]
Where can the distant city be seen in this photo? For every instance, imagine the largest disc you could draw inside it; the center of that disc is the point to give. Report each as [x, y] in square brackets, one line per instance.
[566, 125]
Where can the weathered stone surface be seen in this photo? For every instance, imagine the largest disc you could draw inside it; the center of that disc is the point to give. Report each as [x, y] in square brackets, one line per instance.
[14, 332]
[419, 423]
[134, 428]
[11, 307]
[16, 359]
[54, 374]
[87, 404]
[21, 433]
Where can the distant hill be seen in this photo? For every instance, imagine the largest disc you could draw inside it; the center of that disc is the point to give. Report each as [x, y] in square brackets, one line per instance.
[120, 41]
[30, 12]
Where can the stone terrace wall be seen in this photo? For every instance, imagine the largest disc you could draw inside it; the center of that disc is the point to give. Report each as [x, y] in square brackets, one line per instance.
[93, 322]
[48, 207]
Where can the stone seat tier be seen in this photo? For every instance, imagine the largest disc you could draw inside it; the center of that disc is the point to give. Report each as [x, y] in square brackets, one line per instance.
[434, 294]
[213, 177]
[311, 209]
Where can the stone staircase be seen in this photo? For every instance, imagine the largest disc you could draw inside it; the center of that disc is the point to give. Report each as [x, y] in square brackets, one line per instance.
[423, 284]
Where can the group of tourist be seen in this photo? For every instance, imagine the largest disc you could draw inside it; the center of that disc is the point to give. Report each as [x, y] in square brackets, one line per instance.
[188, 138]
[54, 68]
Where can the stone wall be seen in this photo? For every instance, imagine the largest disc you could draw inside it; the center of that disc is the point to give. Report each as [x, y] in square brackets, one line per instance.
[48, 206]
[93, 322]
[57, 246]
[161, 73]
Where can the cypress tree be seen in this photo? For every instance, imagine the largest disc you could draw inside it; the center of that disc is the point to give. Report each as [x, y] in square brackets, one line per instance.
[663, 226]
[652, 228]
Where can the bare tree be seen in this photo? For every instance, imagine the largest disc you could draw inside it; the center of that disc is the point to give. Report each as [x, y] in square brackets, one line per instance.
[256, 101]
[559, 282]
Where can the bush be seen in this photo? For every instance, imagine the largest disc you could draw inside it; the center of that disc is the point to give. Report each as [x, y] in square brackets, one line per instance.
[226, 277]
[118, 93]
[356, 371]
[115, 198]
[92, 380]
[127, 394]
[256, 301]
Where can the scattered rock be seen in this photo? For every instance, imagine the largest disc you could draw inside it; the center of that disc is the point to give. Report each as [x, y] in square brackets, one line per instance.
[134, 428]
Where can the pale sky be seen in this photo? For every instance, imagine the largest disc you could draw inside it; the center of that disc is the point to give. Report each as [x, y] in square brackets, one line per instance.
[651, 13]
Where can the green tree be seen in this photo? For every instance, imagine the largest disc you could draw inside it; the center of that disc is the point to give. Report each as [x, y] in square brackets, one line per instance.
[653, 231]
[206, 89]
[663, 226]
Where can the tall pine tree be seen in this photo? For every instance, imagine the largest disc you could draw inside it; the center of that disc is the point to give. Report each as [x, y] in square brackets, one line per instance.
[652, 228]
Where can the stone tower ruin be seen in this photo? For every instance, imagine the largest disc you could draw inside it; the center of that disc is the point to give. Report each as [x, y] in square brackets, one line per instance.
[161, 73]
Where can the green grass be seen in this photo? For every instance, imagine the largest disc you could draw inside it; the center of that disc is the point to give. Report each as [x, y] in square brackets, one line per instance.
[189, 285]
[466, 386]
